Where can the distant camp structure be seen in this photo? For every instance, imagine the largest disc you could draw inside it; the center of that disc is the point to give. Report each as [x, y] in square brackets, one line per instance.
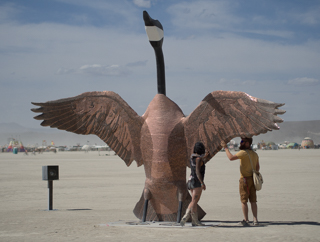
[307, 143]
[293, 146]
[15, 146]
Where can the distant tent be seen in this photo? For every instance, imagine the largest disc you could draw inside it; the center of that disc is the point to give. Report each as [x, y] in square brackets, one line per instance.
[293, 146]
[10, 146]
[85, 147]
[21, 149]
[270, 143]
[282, 146]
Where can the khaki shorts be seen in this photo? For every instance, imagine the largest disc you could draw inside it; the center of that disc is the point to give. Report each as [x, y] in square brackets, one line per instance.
[247, 190]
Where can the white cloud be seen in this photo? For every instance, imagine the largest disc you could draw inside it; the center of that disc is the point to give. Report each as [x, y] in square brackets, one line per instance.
[236, 56]
[97, 70]
[142, 3]
[281, 34]
[236, 82]
[203, 14]
[310, 17]
[304, 81]
[108, 11]
[229, 81]
[62, 71]
[249, 82]
[137, 63]
[9, 11]
[113, 70]
[95, 4]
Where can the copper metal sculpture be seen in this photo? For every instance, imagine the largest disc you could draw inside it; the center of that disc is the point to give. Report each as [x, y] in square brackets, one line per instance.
[162, 138]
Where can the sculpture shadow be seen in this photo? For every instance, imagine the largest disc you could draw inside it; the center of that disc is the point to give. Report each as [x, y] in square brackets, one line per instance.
[234, 224]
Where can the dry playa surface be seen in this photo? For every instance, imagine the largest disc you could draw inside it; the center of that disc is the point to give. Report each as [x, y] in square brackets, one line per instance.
[96, 192]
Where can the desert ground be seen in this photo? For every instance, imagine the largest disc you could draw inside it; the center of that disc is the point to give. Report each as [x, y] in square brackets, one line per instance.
[96, 189]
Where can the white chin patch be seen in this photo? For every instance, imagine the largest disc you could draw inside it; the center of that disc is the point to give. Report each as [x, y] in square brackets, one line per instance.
[154, 33]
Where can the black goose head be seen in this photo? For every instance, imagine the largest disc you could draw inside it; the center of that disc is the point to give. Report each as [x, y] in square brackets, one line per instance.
[154, 31]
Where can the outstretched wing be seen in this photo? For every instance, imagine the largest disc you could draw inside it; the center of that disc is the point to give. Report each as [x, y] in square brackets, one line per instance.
[224, 115]
[104, 114]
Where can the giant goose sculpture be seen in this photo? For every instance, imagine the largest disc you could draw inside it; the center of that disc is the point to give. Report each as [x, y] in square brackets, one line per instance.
[162, 139]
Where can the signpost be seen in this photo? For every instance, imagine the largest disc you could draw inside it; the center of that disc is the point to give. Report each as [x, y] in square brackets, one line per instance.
[50, 173]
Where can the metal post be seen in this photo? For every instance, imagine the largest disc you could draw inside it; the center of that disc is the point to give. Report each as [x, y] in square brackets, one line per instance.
[50, 186]
[179, 212]
[145, 209]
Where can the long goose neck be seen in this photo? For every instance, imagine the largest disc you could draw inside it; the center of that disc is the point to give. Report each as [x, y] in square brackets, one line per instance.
[161, 79]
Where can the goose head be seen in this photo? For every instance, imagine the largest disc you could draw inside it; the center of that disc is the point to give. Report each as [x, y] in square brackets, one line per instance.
[154, 30]
[155, 34]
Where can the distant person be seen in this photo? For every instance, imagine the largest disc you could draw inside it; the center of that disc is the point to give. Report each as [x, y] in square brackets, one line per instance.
[246, 186]
[195, 183]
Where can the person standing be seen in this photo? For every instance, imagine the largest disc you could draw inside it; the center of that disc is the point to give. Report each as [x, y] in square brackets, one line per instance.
[195, 183]
[246, 185]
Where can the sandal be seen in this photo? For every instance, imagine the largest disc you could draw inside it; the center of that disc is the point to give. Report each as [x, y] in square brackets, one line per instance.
[244, 223]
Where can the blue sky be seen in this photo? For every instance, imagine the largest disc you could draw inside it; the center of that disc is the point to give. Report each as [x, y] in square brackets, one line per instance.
[52, 49]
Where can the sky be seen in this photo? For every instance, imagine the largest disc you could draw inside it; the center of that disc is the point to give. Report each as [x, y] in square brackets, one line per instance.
[53, 49]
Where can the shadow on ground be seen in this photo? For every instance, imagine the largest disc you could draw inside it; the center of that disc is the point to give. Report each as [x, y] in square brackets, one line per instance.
[229, 224]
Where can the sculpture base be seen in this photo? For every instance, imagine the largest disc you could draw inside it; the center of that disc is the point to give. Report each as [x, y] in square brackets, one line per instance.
[153, 216]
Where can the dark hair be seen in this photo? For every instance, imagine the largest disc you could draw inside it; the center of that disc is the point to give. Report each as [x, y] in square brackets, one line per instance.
[248, 140]
[199, 148]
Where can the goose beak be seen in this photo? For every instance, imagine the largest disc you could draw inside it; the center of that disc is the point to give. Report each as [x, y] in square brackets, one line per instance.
[147, 19]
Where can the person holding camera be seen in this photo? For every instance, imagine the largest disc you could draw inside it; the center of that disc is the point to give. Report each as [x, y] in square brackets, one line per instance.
[246, 185]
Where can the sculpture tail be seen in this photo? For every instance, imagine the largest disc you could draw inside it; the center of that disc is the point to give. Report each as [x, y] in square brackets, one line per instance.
[153, 216]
